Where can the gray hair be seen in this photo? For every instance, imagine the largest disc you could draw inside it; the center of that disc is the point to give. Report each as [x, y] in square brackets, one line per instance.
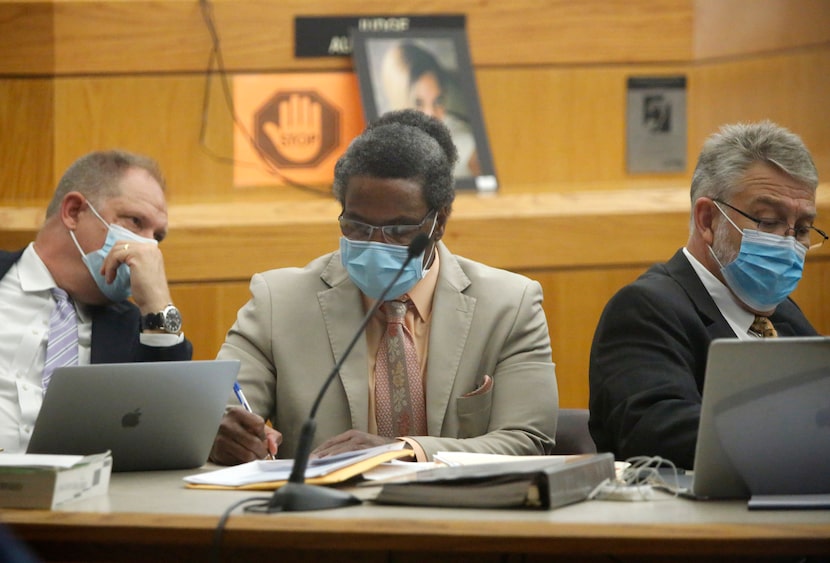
[402, 144]
[97, 176]
[728, 154]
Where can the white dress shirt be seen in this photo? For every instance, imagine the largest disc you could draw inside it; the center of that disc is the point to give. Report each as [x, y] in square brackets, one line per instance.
[24, 326]
[27, 304]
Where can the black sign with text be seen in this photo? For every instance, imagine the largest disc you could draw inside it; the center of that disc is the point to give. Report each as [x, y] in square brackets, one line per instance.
[328, 36]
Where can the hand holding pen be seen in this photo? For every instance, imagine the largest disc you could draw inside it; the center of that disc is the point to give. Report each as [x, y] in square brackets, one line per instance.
[245, 404]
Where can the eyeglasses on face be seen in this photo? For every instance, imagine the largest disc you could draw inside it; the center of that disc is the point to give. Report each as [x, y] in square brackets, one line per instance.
[808, 235]
[393, 234]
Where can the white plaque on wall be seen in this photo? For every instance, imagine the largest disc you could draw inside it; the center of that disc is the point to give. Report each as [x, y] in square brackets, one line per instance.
[656, 124]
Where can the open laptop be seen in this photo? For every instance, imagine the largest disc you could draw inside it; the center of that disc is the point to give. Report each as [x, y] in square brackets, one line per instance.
[152, 415]
[765, 420]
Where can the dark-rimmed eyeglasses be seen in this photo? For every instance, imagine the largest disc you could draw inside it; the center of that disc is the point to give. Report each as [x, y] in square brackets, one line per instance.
[808, 235]
[393, 234]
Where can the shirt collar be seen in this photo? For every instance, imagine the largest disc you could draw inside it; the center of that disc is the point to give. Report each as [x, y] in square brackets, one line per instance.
[34, 275]
[738, 318]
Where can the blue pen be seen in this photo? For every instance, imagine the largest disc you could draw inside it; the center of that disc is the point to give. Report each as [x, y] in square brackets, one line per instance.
[244, 402]
[241, 396]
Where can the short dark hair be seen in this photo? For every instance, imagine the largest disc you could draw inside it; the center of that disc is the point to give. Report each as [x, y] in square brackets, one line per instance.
[97, 175]
[403, 144]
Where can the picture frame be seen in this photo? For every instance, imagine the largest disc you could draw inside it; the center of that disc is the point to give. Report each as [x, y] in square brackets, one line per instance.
[430, 70]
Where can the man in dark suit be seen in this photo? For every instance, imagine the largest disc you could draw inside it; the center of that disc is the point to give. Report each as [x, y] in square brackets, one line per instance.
[753, 205]
[99, 244]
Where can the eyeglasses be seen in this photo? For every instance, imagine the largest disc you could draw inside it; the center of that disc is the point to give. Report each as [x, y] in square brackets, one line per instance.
[393, 234]
[808, 235]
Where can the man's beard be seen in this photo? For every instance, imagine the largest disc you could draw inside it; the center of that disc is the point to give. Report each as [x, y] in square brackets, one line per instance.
[723, 249]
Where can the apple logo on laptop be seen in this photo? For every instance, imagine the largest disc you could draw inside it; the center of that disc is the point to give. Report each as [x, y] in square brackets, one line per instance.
[131, 419]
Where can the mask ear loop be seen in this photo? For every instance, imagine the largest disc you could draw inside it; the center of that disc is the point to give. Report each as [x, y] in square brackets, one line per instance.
[89, 203]
[434, 244]
[94, 212]
[731, 222]
[75, 240]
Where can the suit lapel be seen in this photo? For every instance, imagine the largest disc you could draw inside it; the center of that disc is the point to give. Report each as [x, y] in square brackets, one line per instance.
[682, 271]
[342, 311]
[452, 317]
[7, 260]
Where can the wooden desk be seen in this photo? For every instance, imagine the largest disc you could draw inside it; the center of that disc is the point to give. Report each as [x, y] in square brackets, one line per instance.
[152, 517]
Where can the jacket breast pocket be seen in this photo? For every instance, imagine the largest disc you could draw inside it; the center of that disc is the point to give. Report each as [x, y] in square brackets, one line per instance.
[474, 410]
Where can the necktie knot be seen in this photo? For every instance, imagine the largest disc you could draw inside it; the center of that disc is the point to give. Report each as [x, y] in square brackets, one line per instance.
[60, 295]
[395, 311]
[763, 327]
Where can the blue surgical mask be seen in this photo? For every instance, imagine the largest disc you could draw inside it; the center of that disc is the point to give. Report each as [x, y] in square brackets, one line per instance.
[373, 265]
[119, 289]
[767, 269]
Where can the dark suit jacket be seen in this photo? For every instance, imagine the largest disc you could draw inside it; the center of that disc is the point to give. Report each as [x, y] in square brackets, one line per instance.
[115, 331]
[648, 359]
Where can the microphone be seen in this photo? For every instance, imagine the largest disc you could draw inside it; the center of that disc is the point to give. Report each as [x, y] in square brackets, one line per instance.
[296, 495]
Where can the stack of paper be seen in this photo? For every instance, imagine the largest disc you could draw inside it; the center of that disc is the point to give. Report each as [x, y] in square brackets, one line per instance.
[268, 475]
[46, 481]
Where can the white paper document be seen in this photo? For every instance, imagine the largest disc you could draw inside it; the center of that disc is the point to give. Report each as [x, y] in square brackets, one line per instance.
[280, 469]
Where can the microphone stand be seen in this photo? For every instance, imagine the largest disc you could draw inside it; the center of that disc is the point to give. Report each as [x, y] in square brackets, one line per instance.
[296, 495]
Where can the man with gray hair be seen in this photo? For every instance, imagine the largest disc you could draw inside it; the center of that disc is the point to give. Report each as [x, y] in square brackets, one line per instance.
[753, 204]
[457, 358]
[64, 298]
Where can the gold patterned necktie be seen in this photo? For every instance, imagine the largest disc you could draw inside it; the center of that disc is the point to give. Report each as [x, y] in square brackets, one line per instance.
[762, 326]
[399, 391]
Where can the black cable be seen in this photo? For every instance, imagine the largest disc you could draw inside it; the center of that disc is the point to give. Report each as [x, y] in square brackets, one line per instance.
[223, 520]
[217, 60]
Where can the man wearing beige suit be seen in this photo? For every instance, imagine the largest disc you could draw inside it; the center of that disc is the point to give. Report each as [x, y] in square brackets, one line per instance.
[477, 349]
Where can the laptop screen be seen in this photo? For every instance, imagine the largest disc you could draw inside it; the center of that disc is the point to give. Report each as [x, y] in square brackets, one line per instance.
[765, 419]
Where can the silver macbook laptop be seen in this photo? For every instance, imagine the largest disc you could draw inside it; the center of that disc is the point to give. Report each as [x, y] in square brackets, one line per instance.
[153, 415]
[765, 419]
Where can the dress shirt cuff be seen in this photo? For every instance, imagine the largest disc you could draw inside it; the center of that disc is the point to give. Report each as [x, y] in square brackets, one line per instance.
[160, 340]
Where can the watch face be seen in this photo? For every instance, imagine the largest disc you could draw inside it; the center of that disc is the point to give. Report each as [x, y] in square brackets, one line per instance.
[172, 320]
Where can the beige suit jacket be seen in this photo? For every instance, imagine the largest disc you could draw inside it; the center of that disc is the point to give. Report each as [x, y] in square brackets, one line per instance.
[485, 321]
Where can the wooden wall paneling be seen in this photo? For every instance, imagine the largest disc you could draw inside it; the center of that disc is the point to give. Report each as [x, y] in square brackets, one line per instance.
[208, 311]
[725, 28]
[156, 115]
[553, 124]
[27, 39]
[26, 140]
[573, 303]
[70, 37]
[811, 294]
[583, 33]
[790, 89]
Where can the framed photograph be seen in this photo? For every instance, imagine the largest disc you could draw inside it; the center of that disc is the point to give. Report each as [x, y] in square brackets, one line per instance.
[428, 70]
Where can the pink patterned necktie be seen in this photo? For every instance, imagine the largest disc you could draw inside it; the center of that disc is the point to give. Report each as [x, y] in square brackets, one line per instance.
[399, 391]
[62, 341]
